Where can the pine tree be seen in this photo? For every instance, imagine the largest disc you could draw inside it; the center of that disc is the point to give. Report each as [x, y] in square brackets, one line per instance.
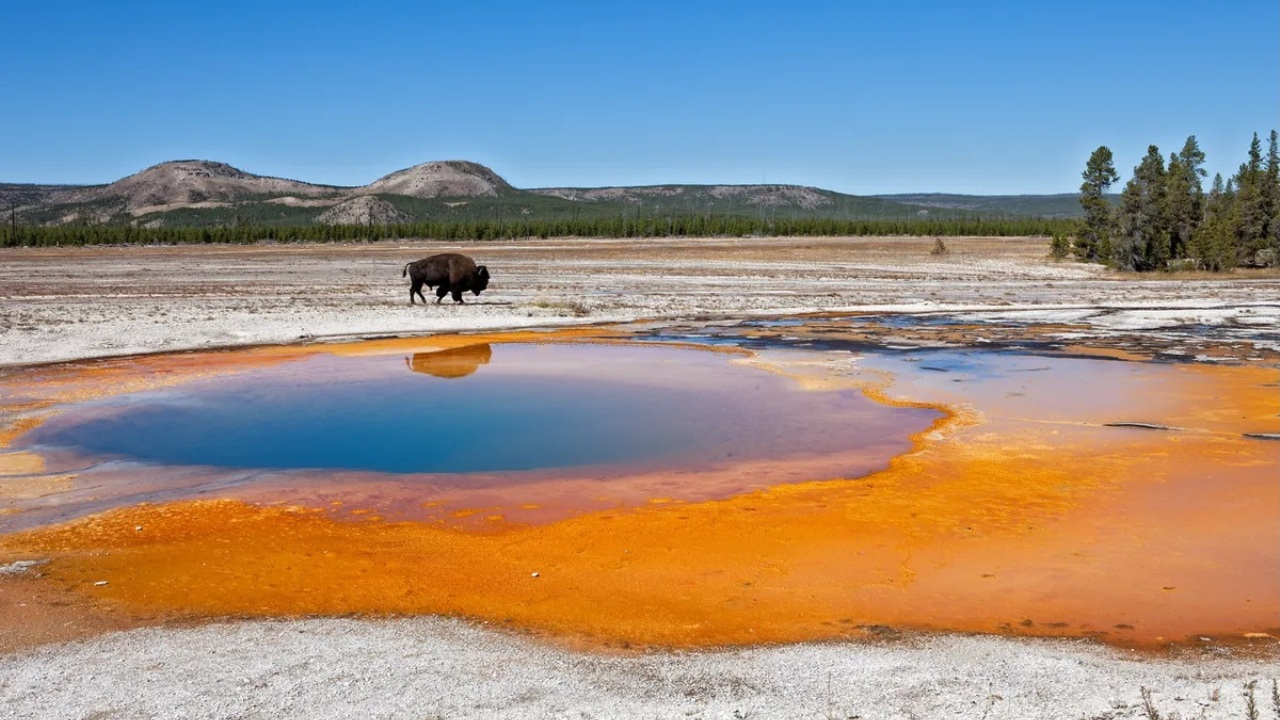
[1143, 242]
[1185, 197]
[1271, 198]
[1249, 206]
[1059, 246]
[1213, 245]
[1099, 173]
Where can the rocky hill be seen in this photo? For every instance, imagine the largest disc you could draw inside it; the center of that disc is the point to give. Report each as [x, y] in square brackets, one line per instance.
[363, 210]
[450, 178]
[188, 182]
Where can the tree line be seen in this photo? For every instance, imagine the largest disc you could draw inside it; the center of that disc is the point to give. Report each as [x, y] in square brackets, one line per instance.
[1164, 219]
[500, 229]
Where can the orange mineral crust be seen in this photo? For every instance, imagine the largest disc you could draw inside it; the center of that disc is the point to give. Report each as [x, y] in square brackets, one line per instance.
[1017, 521]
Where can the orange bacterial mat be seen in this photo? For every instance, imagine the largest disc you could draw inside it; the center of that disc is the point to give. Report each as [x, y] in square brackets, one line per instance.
[1036, 503]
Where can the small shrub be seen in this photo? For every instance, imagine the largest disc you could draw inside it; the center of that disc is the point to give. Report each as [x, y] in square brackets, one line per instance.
[1149, 706]
[939, 247]
[563, 307]
[1060, 246]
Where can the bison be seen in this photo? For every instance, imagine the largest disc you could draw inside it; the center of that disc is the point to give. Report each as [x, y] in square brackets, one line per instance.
[448, 273]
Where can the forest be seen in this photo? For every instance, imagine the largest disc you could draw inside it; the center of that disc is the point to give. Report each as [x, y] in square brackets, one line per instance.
[15, 235]
[1165, 221]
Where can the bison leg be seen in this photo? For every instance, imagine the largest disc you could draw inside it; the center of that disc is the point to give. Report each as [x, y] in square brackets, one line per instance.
[416, 288]
[457, 297]
[441, 292]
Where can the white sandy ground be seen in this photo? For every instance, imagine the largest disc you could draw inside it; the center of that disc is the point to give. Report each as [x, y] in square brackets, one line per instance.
[439, 668]
[62, 304]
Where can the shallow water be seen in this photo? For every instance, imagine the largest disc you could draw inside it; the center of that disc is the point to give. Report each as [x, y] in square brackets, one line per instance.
[331, 427]
[533, 407]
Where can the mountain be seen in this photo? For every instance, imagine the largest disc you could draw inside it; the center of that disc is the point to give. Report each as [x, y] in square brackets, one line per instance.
[203, 193]
[186, 182]
[176, 185]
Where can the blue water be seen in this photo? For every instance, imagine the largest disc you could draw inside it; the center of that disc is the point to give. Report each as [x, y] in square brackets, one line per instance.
[529, 407]
[392, 426]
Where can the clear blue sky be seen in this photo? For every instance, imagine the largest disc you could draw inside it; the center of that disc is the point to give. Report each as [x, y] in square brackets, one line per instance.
[974, 97]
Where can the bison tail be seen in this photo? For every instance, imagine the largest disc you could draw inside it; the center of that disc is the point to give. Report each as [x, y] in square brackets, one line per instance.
[405, 271]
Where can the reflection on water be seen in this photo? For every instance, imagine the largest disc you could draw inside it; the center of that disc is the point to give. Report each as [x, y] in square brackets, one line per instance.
[451, 363]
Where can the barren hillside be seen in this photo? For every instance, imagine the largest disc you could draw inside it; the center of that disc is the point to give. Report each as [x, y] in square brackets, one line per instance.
[450, 178]
[363, 210]
[187, 182]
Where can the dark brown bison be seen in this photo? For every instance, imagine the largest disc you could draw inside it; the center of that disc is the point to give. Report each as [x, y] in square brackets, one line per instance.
[448, 273]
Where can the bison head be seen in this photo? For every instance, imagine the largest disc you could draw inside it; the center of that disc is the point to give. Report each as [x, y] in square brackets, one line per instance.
[481, 280]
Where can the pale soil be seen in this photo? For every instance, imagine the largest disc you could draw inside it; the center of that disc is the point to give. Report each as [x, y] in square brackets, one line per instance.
[291, 201]
[435, 668]
[63, 304]
[146, 210]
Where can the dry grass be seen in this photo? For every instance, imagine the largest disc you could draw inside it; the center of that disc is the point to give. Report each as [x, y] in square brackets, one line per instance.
[1251, 712]
[575, 308]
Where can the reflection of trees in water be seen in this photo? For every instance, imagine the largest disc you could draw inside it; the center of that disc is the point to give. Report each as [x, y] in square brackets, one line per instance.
[451, 363]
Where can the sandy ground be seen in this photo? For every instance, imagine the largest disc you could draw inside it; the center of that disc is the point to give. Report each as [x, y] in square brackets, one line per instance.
[63, 304]
[432, 668]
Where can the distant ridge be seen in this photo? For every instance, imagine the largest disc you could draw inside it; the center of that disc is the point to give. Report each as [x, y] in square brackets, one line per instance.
[193, 193]
[808, 198]
[1062, 205]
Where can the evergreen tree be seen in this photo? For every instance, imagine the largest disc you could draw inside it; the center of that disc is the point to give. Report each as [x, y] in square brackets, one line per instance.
[1213, 245]
[1059, 246]
[1271, 197]
[1249, 208]
[1143, 242]
[1185, 197]
[1094, 242]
